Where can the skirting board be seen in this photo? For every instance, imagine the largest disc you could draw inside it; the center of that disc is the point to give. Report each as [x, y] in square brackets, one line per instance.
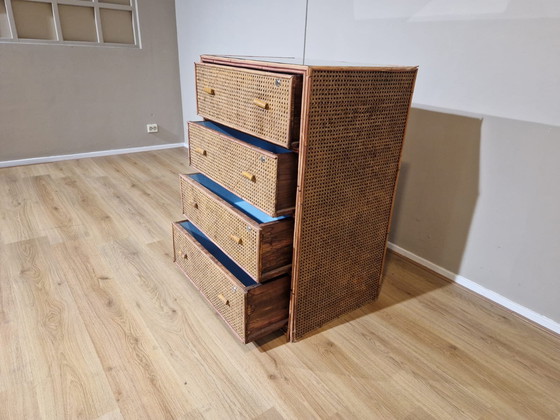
[46, 159]
[477, 288]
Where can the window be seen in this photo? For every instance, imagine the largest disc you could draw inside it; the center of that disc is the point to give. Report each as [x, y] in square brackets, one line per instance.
[90, 22]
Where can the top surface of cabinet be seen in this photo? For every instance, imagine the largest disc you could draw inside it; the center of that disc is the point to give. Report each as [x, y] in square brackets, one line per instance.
[297, 63]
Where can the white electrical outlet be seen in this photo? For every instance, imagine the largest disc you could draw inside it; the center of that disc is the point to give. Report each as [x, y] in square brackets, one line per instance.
[152, 128]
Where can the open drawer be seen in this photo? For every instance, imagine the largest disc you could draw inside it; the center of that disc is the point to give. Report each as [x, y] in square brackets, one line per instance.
[252, 310]
[260, 172]
[258, 243]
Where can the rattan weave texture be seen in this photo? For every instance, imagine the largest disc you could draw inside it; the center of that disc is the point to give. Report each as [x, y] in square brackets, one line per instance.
[220, 224]
[355, 132]
[225, 160]
[232, 101]
[210, 279]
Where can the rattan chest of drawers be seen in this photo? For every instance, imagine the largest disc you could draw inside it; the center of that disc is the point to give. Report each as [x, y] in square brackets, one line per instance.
[326, 195]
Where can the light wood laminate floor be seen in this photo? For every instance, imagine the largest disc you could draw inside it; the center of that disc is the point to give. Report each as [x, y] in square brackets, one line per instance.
[97, 322]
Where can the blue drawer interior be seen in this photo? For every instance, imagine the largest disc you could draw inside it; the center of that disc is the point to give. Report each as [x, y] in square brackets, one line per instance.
[237, 202]
[247, 138]
[226, 261]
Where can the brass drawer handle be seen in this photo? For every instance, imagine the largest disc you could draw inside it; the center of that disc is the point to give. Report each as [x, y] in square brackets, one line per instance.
[260, 103]
[200, 151]
[249, 176]
[223, 299]
[208, 90]
[236, 239]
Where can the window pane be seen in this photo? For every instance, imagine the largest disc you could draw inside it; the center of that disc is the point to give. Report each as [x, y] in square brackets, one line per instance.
[4, 26]
[77, 23]
[33, 20]
[127, 2]
[117, 26]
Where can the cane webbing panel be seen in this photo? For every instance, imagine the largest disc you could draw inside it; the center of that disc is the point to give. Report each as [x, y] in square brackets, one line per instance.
[225, 161]
[226, 95]
[212, 282]
[220, 224]
[355, 131]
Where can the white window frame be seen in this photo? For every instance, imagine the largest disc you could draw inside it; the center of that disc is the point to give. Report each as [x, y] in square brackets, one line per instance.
[95, 4]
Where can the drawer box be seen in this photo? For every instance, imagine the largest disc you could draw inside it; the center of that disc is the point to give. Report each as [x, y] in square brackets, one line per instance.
[258, 243]
[261, 173]
[264, 104]
[252, 310]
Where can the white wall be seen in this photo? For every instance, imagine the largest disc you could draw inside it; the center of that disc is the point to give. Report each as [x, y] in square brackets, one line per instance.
[493, 57]
[477, 194]
[249, 27]
[57, 100]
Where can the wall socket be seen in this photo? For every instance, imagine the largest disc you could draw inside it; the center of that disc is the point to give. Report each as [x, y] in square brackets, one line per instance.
[152, 128]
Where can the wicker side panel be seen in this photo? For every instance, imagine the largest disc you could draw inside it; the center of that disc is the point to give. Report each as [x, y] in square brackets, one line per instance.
[212, 282]
[355, 131]
[220, 225]
[232, 100]
[225, 161]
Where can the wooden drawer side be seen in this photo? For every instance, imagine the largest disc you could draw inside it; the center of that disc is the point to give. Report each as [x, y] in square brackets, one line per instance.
[286, 181]
[267, 308]
[276, 246]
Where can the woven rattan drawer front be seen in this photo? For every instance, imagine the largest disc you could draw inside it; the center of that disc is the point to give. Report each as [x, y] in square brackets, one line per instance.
[236, 236]
[251, 311]
[264, 104]
[262, 178]
[247, 241]
[212, 281]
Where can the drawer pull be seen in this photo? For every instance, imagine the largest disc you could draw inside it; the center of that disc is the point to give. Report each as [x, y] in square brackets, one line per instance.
[236, 239]
[223, 299]
[200, 151]
[185, 257]
[208, 90]
[249, 176]
[195, 205]
[260, 103]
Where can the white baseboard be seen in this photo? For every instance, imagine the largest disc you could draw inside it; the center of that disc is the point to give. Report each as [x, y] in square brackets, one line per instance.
[46, 159]
[477, 288]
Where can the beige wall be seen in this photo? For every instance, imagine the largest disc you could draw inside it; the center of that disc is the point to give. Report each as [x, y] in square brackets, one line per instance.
[57, 100]
[439, 186]
[477, 194]
[478, 197]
